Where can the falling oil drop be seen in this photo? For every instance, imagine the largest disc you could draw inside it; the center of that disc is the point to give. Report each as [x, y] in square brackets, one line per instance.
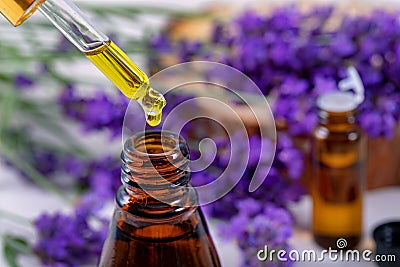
[153, 119]
[153, 103]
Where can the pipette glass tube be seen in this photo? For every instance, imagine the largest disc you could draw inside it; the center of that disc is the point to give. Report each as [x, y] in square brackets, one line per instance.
[107, 57]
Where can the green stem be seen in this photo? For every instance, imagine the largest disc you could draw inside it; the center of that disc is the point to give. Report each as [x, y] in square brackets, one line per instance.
[15, 217]
[8, 103]
[24, 249]
[37, 177]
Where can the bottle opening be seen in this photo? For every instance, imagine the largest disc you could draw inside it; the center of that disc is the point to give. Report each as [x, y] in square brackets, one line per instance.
[155, 146]
[155, 142]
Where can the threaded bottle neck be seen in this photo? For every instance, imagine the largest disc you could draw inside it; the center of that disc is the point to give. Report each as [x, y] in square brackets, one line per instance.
[155, 172]
[156, 160]
[347, 117]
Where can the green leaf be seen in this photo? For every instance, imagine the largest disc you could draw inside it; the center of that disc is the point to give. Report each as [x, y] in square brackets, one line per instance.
[7, 104]
[13, 247]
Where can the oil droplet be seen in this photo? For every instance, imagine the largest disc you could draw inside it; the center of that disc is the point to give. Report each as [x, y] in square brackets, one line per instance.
[154, 119]
[153, 103]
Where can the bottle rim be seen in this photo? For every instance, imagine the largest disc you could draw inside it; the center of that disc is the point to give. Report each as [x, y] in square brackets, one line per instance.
[169, 141]
[337, 102]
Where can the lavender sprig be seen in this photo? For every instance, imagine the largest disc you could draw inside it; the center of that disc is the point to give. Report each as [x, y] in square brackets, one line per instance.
[296, 56]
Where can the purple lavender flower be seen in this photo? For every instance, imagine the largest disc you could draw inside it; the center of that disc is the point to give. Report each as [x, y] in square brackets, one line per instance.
[91, 203]
[249, 207]
[220, 34]
[293, 86]
[271, 226]
[343, 45]
[67, 240]
[323, 85]
[291, 54]
[389, 103]
[23, 81]
[378, 124]
[95, 113]
[100, 177]
[75, 167]
[286, 108]
[286, 169]
[287, 18]
[370, 75]
[188, 49]
[304, 124]
[46, 161]
[105, 176]
[250, 23]
[161, 43]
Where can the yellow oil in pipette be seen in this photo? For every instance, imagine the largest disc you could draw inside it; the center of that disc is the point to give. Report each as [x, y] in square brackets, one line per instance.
[129, 78]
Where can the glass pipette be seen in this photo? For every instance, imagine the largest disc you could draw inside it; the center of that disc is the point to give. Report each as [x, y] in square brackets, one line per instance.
[97, 47]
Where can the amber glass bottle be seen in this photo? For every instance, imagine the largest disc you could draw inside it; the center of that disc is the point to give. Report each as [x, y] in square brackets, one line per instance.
[157, 221]
[338, 172]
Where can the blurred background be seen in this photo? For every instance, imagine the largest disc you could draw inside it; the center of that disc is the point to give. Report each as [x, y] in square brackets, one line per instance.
[61, 120]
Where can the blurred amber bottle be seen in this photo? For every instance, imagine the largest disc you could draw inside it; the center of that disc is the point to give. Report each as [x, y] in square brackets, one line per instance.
[338, 172]
[157, 221]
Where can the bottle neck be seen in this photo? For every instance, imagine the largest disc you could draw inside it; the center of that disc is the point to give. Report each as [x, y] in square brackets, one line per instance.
[155, 175]
[337, 121]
